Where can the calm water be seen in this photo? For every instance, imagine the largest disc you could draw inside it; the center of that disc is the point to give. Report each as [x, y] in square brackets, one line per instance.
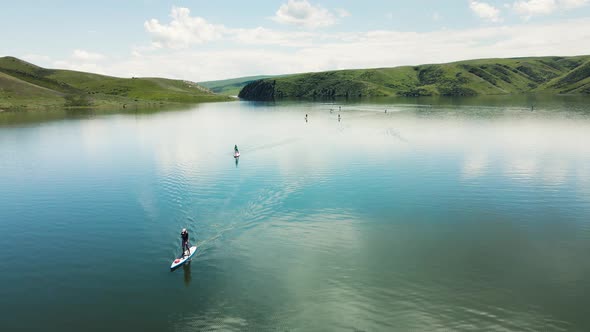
[463, 215]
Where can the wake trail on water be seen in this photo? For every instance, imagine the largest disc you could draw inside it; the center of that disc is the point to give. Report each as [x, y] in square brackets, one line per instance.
[271, 146]
[260, 208]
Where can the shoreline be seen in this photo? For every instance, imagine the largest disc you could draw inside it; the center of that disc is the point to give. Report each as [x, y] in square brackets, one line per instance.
[106, 106]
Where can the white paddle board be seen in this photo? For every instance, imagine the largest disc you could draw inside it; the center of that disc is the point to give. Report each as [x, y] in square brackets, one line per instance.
[236, 155]
[181, 260]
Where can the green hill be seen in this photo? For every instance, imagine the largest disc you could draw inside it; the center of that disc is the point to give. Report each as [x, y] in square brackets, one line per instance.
[231, 87]
[24, 85]
[551, 75]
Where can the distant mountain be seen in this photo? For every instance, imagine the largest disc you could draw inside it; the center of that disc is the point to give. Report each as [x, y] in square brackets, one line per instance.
[231, 87]
[26, 86]
[549, 75]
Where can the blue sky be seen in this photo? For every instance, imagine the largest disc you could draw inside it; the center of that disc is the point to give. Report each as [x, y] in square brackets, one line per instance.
[205, 40]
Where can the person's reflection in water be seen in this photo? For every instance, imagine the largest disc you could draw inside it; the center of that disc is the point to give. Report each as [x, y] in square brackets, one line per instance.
[237, 161]
[187, 273]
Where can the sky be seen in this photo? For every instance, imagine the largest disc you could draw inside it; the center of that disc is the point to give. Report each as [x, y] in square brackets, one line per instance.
[210, 40]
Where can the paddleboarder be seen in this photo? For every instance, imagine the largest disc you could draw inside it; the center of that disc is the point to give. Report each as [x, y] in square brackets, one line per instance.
[185, 245]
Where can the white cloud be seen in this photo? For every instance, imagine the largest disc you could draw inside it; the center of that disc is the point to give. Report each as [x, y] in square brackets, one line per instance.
[342, 12]
[571, 4]
[303, 14]
[534, 7]
[78, 60]
[266, 51]
[529, 8]
[263, 36]
[81, 60]
[485, 11]
[83, 55]
[183, 30]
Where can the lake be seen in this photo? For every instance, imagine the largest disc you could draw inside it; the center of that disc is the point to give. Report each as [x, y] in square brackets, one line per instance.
[465, 214]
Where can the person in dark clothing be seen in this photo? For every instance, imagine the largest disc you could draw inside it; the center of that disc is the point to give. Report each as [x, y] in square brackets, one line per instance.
[236, 149]
[185, 245]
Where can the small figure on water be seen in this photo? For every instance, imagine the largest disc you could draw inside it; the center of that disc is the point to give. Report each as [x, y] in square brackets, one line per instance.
[186, 250]
[236, 151]
[305, 117]
[385, 111]
[338, 117]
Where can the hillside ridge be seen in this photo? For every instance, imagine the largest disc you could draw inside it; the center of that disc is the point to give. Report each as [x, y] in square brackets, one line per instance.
[495, 76]
[24, 85]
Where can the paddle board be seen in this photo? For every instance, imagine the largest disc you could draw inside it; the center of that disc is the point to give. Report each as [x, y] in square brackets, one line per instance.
[236, 155]
[181, 260]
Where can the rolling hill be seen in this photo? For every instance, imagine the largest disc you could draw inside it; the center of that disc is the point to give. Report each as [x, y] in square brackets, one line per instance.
[26, 86]
[545, 75]
[231, 87]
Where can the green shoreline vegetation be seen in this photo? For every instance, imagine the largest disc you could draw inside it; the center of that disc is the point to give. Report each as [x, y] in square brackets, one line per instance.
[538, 75]
[25, 86]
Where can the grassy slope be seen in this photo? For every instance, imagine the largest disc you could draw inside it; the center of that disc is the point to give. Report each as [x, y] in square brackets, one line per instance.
[15, 93]
[28, 86]
[576, 81]
[474, 77]
[231, 87]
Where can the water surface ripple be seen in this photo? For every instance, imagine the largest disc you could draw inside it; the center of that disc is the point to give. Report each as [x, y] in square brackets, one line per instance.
[443, 214]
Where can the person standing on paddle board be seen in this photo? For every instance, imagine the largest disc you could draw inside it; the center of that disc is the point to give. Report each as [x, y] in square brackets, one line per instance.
[236, 149]
[185, 245]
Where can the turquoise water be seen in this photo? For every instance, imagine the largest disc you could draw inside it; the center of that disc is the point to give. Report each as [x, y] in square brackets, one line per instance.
[463, 215]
